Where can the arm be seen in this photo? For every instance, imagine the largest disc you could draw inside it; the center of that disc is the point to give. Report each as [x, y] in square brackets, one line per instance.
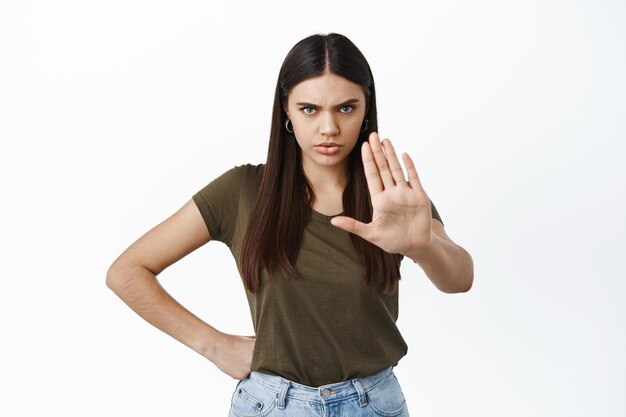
[447, 265]
[132, 277]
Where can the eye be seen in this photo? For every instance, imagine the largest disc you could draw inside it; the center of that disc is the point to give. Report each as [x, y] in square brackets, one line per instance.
[348, 106]
[303, 109]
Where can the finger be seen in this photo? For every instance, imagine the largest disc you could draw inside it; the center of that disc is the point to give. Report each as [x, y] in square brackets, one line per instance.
[394, 164]
[351, 225]
[414, 180]
[371, 172]
[381, 160]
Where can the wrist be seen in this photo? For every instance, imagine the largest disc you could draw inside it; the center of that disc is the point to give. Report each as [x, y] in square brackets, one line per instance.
[210, 343]
[419, 252]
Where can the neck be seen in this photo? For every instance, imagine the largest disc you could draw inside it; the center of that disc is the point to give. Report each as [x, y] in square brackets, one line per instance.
[327, 180]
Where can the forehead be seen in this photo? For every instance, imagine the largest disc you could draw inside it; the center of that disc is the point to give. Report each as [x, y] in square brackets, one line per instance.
[327, 88]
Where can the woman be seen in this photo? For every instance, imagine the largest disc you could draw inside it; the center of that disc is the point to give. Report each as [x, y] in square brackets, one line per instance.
[333, 217]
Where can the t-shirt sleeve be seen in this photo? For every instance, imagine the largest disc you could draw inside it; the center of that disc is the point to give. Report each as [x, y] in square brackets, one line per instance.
[435, 212]
[218, 202]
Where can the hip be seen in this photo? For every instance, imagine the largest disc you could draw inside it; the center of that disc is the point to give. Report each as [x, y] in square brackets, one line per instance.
[261, 395]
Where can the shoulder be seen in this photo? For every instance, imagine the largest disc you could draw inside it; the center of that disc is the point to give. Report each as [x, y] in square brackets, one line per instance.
[244, 178]
[252, 174]
[254, 170]
[243, 172]
[248, 171]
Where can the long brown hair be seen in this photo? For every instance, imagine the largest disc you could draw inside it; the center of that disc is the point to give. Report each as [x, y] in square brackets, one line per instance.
[283, 205]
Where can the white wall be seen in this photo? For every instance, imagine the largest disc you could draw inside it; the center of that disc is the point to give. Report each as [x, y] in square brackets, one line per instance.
[112, 114]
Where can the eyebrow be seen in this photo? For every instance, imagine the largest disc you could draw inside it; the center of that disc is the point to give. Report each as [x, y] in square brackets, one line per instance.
[351, 101]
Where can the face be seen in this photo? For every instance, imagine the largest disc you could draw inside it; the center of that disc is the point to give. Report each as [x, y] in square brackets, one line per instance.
[326, 109]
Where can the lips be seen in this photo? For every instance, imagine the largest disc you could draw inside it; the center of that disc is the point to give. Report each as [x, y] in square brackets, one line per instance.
[328, 149]
[328, 144]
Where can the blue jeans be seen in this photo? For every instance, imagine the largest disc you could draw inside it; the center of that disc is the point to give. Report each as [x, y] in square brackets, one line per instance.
[261, 395]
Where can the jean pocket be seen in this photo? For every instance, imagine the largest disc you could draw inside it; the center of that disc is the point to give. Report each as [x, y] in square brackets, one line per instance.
[386, 398]
[251, 399]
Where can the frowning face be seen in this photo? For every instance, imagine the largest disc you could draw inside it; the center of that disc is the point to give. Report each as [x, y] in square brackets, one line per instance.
[327, 115]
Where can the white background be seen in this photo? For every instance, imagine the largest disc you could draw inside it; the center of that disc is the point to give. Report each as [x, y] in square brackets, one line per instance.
[112, 114]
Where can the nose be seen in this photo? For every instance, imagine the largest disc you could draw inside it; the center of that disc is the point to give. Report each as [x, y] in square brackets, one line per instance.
[328, 125]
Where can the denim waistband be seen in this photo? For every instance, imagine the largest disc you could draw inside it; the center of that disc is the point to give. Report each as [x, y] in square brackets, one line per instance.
[325, 393]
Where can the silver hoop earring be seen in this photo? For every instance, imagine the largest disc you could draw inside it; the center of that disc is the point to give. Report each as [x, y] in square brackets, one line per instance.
[365, 128]
[287, 126]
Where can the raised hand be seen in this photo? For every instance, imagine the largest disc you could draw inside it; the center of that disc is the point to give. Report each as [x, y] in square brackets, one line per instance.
[401, 218]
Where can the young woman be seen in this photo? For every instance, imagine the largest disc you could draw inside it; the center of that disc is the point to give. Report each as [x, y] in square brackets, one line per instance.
[318, 233]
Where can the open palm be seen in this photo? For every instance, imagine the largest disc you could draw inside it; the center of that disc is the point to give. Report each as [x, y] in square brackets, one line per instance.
[401, 218]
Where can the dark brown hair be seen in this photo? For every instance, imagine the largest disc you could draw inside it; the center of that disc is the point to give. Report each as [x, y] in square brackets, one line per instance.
[283, 205]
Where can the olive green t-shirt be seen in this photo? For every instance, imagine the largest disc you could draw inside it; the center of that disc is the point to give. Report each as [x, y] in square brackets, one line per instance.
[324, 326]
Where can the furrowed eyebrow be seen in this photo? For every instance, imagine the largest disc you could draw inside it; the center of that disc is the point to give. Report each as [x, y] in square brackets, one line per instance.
[345, 103]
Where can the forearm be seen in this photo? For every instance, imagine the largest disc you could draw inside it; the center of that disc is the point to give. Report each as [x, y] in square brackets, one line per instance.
[447, 265]
[141, 291]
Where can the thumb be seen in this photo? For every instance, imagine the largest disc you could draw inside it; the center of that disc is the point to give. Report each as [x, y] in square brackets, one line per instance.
[350, 225]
